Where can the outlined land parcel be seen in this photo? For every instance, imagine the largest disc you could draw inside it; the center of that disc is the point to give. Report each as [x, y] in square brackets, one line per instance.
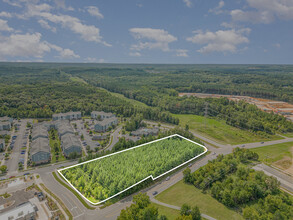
[103, 178]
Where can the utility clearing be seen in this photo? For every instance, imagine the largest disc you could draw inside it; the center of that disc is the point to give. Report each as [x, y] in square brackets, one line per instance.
[103, 178]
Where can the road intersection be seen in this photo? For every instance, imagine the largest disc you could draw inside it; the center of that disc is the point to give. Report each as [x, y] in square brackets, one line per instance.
[79, 211]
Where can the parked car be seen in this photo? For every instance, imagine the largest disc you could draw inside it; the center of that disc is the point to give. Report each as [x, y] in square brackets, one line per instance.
[26, 174]
[155, 193]
[190, 165]
[168, 178]
[262, 142]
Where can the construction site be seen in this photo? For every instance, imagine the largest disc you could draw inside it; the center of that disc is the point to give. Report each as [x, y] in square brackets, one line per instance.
[267, 105]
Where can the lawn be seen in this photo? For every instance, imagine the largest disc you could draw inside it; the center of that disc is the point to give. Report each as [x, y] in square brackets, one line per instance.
[171, 214]
[273, 153]
[289, 135]
[105, 177]
[131, 101]
[52, 144]
[219, 131]
[181, 193]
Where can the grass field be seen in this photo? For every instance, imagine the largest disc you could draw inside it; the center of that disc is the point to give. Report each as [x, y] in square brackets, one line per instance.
[219, 131]
[289, 135]
[181, 193]
[171, 214]
[131, 101]
[273, 153]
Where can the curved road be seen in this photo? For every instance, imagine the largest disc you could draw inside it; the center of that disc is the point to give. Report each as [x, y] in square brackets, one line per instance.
[111, 212]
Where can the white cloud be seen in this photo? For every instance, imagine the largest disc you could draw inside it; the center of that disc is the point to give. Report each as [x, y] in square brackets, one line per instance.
[45, 25]
[265, 11]
[221, 40]
[43, 12]
[94, 11]
[135, 54]
[68, 54]
[4, 26]
[30, 45]
[217, 10]
[101, 60]
[5, 14]
[181, 53]
[188, 3]
[61, 4]
[252, 16]
[13, 3]
[150, 38]
[277, 45]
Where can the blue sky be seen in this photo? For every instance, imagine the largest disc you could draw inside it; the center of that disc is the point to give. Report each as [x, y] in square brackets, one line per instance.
[147, 31]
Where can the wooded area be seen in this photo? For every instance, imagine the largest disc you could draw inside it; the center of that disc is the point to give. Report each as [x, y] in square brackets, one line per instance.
[102, 178]
[230, 180]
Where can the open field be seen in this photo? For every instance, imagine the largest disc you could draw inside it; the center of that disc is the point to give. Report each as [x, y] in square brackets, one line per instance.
[220, 131]
[171, 214]
[131, 101]
[279, 155]
[181, 193]
[108, 176]
[289, 135]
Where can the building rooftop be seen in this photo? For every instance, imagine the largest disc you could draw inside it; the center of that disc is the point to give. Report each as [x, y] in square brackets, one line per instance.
[106, 121]
[67, 113]
[102, 113]
[40, 144]
[5, 118]
[19, 212]
[69, 140]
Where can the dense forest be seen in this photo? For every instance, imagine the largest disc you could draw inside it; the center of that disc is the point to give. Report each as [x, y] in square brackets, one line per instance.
[230, 180]
[39, 90]
[105, 177]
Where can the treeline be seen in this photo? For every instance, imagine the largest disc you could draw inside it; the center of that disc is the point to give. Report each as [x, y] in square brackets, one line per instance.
[229, 180]
[237, 114]
[141, 209]
[160, 88]
[44, 99]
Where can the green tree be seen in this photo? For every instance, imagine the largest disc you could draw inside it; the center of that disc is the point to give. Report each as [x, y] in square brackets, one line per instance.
[3, 168]
[185, 209]
[195, 213]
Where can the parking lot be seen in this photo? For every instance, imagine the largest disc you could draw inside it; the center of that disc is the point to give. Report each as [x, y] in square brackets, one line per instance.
[87, 138]
[18, 147]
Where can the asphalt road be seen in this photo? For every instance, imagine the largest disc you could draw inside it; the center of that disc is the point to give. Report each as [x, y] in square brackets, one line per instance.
[115, 137]
[111, 212]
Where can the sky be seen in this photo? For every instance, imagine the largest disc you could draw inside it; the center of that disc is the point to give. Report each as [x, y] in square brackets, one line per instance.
[147, 31]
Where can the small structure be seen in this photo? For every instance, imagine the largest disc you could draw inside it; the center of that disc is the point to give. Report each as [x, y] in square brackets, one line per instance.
[99, 137]
[96, 114]
[40, 151]
[103, 126]
[2, 144]
[4, 133]
[67, 116]
[146, 132]
[5, 118]
[5, 125]
[69, 144]
[24, 211]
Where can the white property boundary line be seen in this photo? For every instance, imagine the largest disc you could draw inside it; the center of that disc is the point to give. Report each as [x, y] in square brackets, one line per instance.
[150, 176]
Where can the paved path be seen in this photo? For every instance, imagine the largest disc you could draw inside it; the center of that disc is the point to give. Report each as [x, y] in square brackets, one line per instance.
[178, 208]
